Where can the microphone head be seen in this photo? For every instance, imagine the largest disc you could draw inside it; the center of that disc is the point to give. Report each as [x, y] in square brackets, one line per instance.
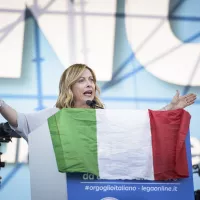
[89, 103]
[94, 102]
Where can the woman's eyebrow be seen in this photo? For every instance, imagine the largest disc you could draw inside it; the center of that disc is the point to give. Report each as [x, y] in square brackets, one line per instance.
[86, 77]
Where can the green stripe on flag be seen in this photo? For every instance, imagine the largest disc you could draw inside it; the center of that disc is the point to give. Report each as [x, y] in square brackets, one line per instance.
[73, 133]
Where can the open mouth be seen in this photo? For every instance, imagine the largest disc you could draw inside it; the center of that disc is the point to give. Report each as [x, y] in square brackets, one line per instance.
[88, 93]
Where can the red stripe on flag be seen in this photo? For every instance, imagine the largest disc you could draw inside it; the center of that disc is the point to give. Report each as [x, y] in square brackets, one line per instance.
[169, 130]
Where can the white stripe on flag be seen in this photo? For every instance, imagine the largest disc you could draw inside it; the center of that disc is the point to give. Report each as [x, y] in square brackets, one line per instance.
[127, 155]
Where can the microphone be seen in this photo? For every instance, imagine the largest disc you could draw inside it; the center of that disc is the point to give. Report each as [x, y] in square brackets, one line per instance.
[93, 104]
[90, 103]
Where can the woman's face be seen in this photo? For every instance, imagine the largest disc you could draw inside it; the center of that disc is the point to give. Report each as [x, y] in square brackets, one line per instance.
[83, 89]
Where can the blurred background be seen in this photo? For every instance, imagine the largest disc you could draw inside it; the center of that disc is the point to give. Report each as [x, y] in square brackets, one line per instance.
[142, 52]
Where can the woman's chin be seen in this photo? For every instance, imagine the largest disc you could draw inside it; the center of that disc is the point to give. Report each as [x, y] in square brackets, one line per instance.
[89, 98]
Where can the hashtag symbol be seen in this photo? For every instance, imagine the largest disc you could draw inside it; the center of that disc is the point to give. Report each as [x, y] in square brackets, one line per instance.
[86, 187]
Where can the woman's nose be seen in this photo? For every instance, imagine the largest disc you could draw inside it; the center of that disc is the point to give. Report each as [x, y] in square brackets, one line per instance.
[89, 84]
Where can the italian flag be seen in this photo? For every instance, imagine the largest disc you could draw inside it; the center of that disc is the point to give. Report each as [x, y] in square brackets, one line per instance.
[121, 144]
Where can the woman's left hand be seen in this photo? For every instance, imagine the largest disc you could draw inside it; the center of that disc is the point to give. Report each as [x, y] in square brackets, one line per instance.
[179, 102]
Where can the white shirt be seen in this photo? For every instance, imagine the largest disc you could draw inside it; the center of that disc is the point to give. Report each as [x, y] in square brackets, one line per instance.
[30, 121]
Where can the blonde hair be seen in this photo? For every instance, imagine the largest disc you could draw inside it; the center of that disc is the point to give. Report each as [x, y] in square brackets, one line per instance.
[68, 78]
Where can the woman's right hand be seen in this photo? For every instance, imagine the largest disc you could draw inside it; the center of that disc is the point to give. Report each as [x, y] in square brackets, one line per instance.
[8, 113]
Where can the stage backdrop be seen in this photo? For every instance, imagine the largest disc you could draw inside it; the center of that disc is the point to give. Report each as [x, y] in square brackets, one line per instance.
[124, 41]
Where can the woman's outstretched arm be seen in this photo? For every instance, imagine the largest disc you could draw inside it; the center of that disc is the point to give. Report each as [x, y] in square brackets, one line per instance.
[8, 113]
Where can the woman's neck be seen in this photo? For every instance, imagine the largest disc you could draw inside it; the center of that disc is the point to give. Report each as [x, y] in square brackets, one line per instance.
[81, 106]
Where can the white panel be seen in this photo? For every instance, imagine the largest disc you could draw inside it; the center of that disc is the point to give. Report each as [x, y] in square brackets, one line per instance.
[10, 154]
[99, 45]
[10, 4]
[11, 38]
[56, 30]
[23, 151]
[77, 37]
[60, 24]
[99, 6]
[56, 5]
[46, 181]
[174, 67]
[150, 7]
[11, 149]
[195, 151]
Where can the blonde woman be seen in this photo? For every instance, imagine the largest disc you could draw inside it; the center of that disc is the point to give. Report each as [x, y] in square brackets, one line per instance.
[77, 85]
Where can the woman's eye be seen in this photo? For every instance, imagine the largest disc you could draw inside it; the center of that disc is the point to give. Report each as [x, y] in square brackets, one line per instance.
[80, 80]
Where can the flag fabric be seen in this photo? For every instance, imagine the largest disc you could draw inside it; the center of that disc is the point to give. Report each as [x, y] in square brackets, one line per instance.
[121, 144]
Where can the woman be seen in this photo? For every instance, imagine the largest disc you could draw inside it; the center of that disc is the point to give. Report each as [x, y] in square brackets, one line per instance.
[77, 85]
